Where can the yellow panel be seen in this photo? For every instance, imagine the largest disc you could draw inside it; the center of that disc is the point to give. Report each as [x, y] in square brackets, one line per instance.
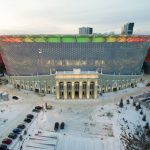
[121, 39]
[28, 39]
[111, 39]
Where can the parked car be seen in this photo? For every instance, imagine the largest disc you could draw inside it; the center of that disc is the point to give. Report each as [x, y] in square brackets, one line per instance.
[56, 126]
[39, 107]
[3, 147]
[15, 97]
[7, 141]
[17, 131]
[12, 135]
[36, 110]
[30, 116]
[148, 84]
[27, 120]
[62, 125]
[146, 99]
[21, 126]
[131, 97]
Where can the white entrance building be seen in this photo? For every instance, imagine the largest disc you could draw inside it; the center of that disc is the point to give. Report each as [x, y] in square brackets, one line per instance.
[76, 84]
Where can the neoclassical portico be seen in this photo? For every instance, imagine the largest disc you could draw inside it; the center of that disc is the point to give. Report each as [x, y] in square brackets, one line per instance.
[76, 85]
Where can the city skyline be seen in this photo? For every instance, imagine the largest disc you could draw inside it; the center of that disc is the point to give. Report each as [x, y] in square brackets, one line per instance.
[66, 16]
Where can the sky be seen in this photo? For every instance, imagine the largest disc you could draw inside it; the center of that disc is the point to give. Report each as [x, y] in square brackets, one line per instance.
[66, 16]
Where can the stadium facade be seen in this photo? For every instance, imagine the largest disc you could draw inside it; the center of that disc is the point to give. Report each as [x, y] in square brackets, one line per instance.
[73, 66]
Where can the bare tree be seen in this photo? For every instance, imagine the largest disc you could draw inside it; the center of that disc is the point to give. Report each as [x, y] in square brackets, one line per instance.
[140, 140]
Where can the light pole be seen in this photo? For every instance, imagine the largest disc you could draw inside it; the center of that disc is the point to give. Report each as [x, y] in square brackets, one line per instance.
[39, 59]
[102, 66]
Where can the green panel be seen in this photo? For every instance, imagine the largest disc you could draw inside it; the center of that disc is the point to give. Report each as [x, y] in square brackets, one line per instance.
[54, 39]
[98, 39]
[68, 39]
[83, 39]
[39, 39]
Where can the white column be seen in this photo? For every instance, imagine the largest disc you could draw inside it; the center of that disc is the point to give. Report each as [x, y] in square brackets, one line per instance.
[88, 90]
[65, 90]
[80, 90]
[57, 90]
[72, 90]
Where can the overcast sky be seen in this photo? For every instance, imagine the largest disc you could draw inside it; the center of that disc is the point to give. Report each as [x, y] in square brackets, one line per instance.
[66, 16]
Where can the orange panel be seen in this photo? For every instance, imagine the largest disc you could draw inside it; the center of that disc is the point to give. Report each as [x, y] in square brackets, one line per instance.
[11, 39]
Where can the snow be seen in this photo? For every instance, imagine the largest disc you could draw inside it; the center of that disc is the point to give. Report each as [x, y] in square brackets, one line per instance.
[89, 124]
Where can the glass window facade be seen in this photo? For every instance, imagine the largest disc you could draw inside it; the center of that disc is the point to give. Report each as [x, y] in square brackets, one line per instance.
[32, 58]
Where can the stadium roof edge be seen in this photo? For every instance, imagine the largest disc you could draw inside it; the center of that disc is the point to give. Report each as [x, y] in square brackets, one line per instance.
[70, 38]
[70, 35]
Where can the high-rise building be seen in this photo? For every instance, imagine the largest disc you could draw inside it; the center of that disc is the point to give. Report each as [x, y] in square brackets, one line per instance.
[85, 30]
[127, 29]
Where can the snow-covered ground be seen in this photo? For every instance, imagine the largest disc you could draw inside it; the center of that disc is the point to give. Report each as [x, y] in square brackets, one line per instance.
[97, 130]
[89, 124]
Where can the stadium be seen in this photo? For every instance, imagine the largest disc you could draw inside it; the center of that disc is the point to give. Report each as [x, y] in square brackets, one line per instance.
[73, 66]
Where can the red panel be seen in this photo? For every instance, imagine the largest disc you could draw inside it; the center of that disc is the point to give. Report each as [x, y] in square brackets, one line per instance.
[136, 39]
[148, 56]
[1, 61]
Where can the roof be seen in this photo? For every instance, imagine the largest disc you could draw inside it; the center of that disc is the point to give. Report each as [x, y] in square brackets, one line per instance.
[72, 38]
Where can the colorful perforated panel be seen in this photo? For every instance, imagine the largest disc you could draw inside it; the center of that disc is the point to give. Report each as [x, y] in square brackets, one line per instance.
[73, 39]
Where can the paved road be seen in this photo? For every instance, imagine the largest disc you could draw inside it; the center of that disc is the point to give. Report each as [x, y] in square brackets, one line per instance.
[27, 102]
[9, 125]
